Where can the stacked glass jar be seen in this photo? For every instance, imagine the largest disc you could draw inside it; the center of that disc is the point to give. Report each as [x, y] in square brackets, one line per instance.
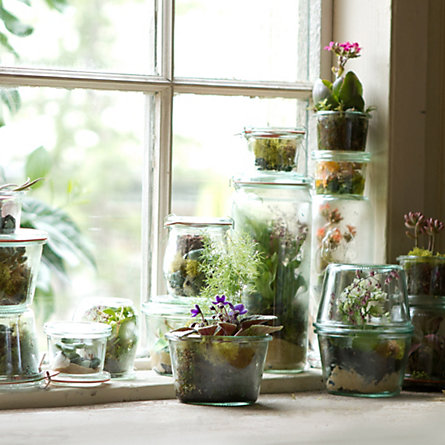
[341, 213]
[20, 253]
[272, 203]
[184, 279]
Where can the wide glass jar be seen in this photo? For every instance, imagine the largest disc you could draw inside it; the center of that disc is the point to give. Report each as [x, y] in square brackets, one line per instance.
[341, 228]
[10, 210]
[76, 350]
[20, 255]
[277, 149]
[182, 260]
[218, 370]
[121, 315]
[19, 355]
[162, 314]
[342, 130]
[426, 359]
[340, 172]
[364, 329]
[277, 215]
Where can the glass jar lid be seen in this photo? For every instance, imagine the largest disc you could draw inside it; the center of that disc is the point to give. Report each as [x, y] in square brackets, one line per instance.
[24, 235]
[74, 329]
[169, 305]
[173, 219]
[278, 179]
[274, 132]
[336, 155]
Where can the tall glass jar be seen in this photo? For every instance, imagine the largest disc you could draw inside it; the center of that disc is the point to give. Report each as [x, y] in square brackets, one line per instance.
[341, 234]
[277, 214]
[186, 236]
[10, 210]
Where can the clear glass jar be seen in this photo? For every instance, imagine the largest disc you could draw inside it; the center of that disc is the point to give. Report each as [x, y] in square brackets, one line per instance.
[218, 370]
[277, 215]
[426, 359]
[121, 315]
[186, 236]
[19, 355]
[341, 229]
[276, 149]
[340, 173]
[162, 314]
[77, 351]
[342, 130]
[20, 255]
[10, 210]
[364, 329]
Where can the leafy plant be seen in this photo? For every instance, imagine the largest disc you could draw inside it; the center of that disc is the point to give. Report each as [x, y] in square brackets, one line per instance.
[346, 92]
[229, 266]
[225, 321]
[419, 225]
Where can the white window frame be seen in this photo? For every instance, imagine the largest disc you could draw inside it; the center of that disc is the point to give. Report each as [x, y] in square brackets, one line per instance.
[160, 90]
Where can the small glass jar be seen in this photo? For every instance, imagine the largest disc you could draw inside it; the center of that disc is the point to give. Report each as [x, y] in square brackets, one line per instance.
[276, 149]
[162, 314]
[341, 228]
[364, 329]
[218, 370]
[277, 215]
[19, 355]
[10, 210]
[20, 255]
[340, 172]
[77, 351]
[182, 260]
[121, 315]
[342, 130]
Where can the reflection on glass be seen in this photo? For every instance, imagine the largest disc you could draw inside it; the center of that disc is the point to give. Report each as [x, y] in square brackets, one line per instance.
[94, 35]
[249, 39]
[208, 148]
[89, 146]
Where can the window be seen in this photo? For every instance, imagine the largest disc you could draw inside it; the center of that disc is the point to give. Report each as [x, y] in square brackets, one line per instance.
[132, 109]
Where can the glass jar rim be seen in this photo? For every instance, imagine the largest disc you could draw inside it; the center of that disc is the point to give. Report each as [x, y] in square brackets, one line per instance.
[195, 221]
[77, 329]
[238, 339]
[273, 180]
[110, 301]
[274, 132]
[345, 329]
[166, 305]
[423, 259]
[363, 267]
[340, 155]
[343, 112]
[24, 235]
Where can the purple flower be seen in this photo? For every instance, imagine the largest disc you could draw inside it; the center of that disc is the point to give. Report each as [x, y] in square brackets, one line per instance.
[220, 300]
[195, 311]
[240, 309]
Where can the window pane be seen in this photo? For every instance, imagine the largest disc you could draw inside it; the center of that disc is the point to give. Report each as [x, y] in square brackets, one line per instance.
[93, 142]
[208, 150]
[248, 39]
[104, 35]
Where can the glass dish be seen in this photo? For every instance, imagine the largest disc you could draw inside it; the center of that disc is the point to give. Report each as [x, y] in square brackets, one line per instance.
[121, 315]
[77, 351]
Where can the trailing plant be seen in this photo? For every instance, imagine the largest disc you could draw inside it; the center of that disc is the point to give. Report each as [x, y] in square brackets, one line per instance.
[346, 91]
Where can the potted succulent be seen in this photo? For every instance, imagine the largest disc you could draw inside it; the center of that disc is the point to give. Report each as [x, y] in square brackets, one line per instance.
[219, 360]
[364, 330]
[425, 272]
[342, 119]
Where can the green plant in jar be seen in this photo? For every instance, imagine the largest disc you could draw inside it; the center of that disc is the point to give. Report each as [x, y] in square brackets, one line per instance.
[122, 342]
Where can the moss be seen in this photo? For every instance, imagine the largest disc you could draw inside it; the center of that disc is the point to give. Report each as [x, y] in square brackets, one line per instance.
[419, 252]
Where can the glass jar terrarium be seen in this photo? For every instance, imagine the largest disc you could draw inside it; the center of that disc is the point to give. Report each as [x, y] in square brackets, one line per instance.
[342, 130]
[19, 356]
[185, 243]
[276, 149]
[76, 350]
[121, 315]
[364, 329]
[340, 172]
[277, 215]
[10, 210]
[20, 255]
[162, 314]
[341, 228]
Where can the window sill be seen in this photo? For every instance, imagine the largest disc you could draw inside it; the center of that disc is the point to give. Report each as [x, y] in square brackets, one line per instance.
[147, 385]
